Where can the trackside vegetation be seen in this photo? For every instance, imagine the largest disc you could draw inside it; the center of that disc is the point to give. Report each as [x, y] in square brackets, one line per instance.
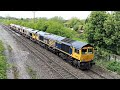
[3, 64]
[102, 29]
[55, 25]
[110, 65]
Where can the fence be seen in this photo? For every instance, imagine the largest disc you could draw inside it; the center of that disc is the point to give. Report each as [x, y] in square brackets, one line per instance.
[108, 57]
[114, 57]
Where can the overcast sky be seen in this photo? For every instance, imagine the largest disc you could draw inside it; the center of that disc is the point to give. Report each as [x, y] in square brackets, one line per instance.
[48, 14]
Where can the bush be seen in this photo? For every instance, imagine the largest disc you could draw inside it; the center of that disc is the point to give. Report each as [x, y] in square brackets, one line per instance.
[3, 64]
[114, 66]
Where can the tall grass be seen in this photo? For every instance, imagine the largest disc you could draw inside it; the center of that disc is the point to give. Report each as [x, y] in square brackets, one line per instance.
[3, 64]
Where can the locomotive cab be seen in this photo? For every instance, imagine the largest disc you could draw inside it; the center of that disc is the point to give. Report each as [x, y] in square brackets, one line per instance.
[79, 54]
[87, 54]
[83, 55]
[86, 57]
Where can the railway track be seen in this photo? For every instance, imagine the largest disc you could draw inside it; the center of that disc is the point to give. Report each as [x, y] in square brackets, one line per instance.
[94, 75]
[63, 72]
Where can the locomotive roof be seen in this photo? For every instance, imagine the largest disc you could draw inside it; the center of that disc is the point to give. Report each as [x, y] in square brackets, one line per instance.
[41, 33]
[50, 36]
[55, 37]
[18, 26]
[64, 40]
[60, 38]
[34, 31]
[78, 45]
[12, 24]
[24, 27]
[68, 40]
[29, 29]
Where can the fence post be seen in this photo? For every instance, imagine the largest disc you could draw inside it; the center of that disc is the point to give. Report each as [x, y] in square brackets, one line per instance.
[115, 57]
[109, 57]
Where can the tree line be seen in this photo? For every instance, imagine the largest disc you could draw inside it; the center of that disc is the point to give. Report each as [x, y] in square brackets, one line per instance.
[55, 25]
[103, 31]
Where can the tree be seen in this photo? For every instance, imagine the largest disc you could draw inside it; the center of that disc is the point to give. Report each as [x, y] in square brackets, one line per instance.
[72, 22]
[75, 23]
[57, 19]
[41, 24]
[59, 29]
[112, 32]
[54, 27]
[94, 28]
[22, 19]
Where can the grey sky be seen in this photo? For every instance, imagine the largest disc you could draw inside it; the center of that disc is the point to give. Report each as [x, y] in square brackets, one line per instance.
[48, 14]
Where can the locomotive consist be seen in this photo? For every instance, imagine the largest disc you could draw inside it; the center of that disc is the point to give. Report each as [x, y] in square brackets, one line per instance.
[77, 53]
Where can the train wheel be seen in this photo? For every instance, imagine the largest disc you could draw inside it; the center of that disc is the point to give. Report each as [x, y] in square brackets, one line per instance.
[62, 56]
[46, 47]
[71, 62]
[78, 63]
[67, 59]
[57, 53]
[75, 63]
[85, 66]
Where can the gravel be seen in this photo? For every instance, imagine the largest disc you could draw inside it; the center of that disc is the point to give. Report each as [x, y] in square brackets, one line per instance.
[106, 73]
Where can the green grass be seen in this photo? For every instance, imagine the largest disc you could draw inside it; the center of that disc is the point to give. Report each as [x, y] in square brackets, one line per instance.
[110, 65]
[114, 66]
[31, 72]
[3, 64]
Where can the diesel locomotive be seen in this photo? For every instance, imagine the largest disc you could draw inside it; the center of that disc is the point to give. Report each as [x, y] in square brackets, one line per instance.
[78, 53]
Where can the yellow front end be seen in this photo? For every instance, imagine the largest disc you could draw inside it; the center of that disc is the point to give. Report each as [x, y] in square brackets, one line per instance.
[33, 36]
[85, 54]
[51, 43]
[37, 37]
[76, 53]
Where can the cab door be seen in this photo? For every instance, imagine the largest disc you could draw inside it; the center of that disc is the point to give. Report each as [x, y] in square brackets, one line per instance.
[70, 50]
[36, 36]
[51, 43]
[76, 54]
[33, 35]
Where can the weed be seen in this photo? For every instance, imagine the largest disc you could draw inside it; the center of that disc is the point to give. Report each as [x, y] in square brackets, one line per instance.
[3, 62]
[31, 72]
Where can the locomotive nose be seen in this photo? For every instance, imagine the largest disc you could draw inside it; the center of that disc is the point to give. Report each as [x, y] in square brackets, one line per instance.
[86, 58]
